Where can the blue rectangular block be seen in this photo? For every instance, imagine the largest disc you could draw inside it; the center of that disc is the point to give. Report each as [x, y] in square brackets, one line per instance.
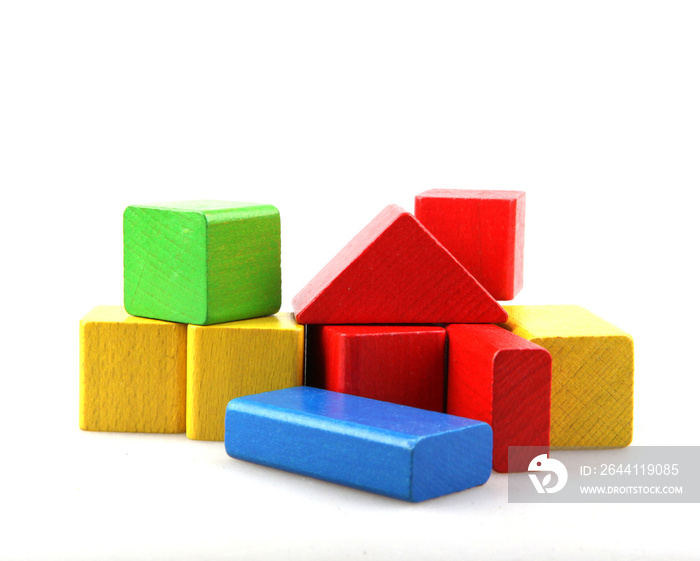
[394, 450]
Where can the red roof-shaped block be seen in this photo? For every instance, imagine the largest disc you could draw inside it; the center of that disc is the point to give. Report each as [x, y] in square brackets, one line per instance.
[395, 271]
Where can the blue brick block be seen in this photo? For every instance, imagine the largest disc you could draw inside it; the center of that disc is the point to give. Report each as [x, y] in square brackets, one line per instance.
[394, 450]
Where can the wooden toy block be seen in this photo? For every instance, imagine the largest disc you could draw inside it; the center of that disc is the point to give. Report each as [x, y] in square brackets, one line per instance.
[202, 262]
[234, 359]
[484, 230]
[504, 380]
[400, 364]
[592, 373]
[385, 448]
[132, 373]
[394, 271]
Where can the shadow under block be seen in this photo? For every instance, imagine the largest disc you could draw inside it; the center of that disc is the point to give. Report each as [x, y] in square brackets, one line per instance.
[400, 364]
[239, 358]
[504, 380]
[202, 262]
[394, 271]
[592, 373]
[132, 373]
[393, 450]
[484, 230]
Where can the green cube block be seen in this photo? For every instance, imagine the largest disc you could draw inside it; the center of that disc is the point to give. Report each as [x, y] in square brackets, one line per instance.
[202, 262]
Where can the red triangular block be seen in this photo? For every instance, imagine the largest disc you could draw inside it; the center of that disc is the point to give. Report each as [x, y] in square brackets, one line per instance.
[395, 271]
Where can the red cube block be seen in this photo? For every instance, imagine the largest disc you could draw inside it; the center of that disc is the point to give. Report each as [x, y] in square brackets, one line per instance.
[502, 379]
[483, 230]
[400, 364]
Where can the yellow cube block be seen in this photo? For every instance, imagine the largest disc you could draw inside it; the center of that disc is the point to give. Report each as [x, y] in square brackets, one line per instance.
[592, 373]
[238, 358]
[133, 373]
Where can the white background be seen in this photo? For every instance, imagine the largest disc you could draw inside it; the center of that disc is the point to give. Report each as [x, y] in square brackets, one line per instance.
[332, 111]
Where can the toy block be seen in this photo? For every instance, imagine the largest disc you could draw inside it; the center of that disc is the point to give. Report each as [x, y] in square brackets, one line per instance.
[238, 358]
[400, 364]
[484, 230]
[504, 380]
[394, 271]
[592, 373]
[385, 448]
[132, 373]
[202, 262]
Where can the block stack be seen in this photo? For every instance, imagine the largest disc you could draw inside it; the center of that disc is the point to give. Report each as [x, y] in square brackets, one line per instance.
[201, 280]
[418, 382]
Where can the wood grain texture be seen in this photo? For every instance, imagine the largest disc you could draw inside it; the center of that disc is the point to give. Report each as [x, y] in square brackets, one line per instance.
[132, 373]
[400, 364]
[202, 262]
[504, 380]
[484, 230]
[397, 451]
[394, 271]
[592, 373]
[239, 358]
